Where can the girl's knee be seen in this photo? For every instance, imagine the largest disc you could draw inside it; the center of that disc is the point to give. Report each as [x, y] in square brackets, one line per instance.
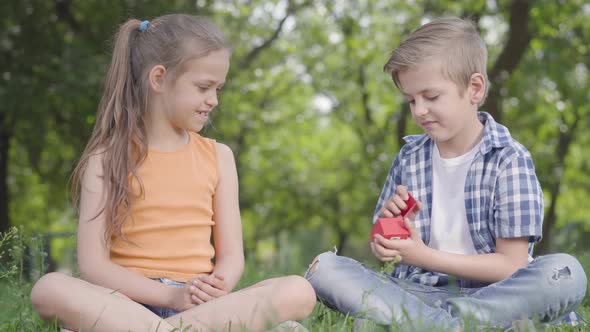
[46, 284]
[298, 295]
[46, 292]
[300, 288]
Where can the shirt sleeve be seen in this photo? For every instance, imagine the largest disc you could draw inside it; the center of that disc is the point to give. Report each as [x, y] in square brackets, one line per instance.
[392, 180]
[518, 201]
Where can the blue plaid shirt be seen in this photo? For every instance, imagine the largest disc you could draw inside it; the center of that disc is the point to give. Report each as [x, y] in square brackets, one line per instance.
[503, 197]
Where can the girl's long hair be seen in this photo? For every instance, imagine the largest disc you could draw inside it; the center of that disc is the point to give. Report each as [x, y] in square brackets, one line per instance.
[120, 131]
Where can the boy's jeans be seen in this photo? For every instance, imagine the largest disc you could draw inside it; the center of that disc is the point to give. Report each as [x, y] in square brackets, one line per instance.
[548, 289]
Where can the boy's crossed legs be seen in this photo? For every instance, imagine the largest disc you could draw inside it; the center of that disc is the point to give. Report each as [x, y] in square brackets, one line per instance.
[549, 288]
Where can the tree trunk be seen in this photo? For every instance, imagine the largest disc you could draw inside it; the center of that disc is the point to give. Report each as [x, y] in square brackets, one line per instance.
[544, 246]
[563, 145]
[342, 241]
[4, 197]
[402, 124]
[519, 37]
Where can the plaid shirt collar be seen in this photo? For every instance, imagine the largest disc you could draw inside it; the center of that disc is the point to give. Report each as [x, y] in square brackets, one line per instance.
[494, 136]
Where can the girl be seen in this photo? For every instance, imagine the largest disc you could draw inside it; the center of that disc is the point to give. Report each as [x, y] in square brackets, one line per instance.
[152, 190]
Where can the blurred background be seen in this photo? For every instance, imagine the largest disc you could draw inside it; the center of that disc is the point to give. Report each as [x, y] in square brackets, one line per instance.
[311, 117]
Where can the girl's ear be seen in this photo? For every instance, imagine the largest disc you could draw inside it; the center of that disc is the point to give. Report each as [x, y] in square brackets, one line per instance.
[156, 78]
[477, 88]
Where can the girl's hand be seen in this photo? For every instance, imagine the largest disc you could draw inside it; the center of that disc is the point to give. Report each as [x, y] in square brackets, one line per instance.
[205, 288]
[180, 298]
[394, 206]
[412, 250]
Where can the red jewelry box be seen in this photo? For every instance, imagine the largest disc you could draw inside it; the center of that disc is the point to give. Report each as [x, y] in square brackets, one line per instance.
[394, 228]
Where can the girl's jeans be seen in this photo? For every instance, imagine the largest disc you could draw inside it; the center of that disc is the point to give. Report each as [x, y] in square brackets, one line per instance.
[162, 311]
[548, 289]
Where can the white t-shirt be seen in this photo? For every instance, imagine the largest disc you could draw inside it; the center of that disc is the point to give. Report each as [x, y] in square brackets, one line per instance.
[449, 230]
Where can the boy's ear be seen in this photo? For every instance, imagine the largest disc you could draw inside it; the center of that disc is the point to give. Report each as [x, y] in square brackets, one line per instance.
[156, 78]
[477, 88]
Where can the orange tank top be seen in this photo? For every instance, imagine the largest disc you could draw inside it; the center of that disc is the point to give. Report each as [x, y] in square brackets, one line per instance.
[169, 232]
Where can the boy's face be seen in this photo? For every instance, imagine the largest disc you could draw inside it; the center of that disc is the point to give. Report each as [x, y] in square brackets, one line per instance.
[445, 111]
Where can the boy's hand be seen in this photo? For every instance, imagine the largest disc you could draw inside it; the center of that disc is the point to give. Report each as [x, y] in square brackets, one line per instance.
[205, 288]
[394, 206]
[412, 250]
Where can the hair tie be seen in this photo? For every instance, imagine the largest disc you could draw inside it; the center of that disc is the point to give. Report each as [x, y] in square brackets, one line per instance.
[143, 25]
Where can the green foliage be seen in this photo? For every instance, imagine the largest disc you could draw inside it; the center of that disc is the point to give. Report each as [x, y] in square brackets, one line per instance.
[388, 267]
[6, 270]
[21, 260]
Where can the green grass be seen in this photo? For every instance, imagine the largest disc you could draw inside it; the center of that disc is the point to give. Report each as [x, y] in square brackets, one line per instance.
[20, 318]
[16, 313]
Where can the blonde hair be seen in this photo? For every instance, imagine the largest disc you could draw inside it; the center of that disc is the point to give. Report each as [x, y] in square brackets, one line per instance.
[119, 134]
[452, 40]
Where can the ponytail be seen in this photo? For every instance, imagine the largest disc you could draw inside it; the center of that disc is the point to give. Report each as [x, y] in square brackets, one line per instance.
[120, 134]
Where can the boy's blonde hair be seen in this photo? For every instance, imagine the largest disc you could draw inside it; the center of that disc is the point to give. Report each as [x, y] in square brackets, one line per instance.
[452, 40]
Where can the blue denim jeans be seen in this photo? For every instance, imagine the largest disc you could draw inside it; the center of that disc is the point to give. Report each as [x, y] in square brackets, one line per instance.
[162, 311]
[547, 290]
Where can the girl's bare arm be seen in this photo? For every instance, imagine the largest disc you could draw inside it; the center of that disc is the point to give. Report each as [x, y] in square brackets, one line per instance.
[227, 231]
[94, 258]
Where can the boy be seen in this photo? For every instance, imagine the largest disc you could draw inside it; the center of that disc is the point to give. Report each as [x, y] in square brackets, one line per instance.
[480, 208]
